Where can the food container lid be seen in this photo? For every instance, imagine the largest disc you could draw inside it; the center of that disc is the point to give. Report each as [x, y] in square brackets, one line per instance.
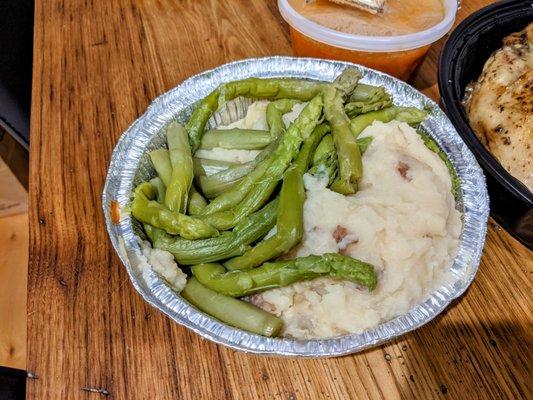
[369, 43]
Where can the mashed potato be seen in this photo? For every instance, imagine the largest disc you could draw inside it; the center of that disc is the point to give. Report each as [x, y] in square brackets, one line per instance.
[162, 263]
[402, 220]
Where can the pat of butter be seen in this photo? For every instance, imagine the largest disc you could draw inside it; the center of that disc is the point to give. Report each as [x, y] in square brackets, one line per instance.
[372, 6]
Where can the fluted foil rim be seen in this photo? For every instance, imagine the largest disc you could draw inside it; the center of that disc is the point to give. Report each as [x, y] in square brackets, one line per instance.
[129, 156]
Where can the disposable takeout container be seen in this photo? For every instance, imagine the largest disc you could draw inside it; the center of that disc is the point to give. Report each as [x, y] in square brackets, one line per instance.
[130, 165]
[464, 55]
[395, 55]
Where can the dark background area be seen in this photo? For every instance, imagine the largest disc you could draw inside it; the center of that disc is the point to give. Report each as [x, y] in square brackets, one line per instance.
[16, 48]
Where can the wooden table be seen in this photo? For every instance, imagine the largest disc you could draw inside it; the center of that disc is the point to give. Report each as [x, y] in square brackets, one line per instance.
[98, 64]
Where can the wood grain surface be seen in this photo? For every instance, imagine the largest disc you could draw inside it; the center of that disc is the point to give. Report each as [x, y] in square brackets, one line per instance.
[13, 278]
[98, 64]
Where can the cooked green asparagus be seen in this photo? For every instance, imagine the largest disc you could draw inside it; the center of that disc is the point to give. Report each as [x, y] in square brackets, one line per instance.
[233, 194]
[363, 143]
[326, 147]
[264, 185]
[274, 88]
[274, 113]
[160, 188]
[196, 202]
[282, 273]
[207, 167]
[285, 88]
[200, 116]
[145, 209]
[289, 225]
[325, 161]
[237, 193]
[228, 244]
[228, 310]
[235, 138]
[347, 82]
[182, 168]
[349, 156]
[307, 152]
[368, 94]
[366, 98]
[213, 187]
[163, 167]
[411, 115]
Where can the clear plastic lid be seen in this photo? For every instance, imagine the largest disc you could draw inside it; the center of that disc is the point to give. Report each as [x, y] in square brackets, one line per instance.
[369, 43]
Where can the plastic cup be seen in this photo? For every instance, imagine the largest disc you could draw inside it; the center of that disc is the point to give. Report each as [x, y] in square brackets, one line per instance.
[395, 55]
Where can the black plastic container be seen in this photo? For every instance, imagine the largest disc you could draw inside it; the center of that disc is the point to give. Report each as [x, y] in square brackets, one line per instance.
[466, 51]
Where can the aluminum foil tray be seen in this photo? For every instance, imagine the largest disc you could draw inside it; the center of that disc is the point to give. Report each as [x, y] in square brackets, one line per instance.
[129, 165]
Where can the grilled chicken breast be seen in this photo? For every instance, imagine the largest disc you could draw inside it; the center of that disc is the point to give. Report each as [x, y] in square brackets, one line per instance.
[500, 105]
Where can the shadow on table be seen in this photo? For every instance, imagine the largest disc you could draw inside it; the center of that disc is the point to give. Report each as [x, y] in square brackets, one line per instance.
[467, 360]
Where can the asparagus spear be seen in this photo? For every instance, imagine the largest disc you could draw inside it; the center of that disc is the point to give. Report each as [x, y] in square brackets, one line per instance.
[274, 88]
[326, 147]
[229, 175]
[145, 209]
[264, 185]
[224, 181]
[411, 115]
[289, 225]
[282, 273]
[228, 310]
[366, 98]
[213, 187]
[325, 157]
[160, 188]
[200, 116]
[228, 244]
[161, 161]
[368, 93]
[326, 169]
[204, 166]
[364, 143]
[182, 168]
[432, 145]
[235, 193]
[347, 81]
[306, 154]
[286, 88]
[240, 139]
[349, 156]
[274, 114]
[196, 202]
